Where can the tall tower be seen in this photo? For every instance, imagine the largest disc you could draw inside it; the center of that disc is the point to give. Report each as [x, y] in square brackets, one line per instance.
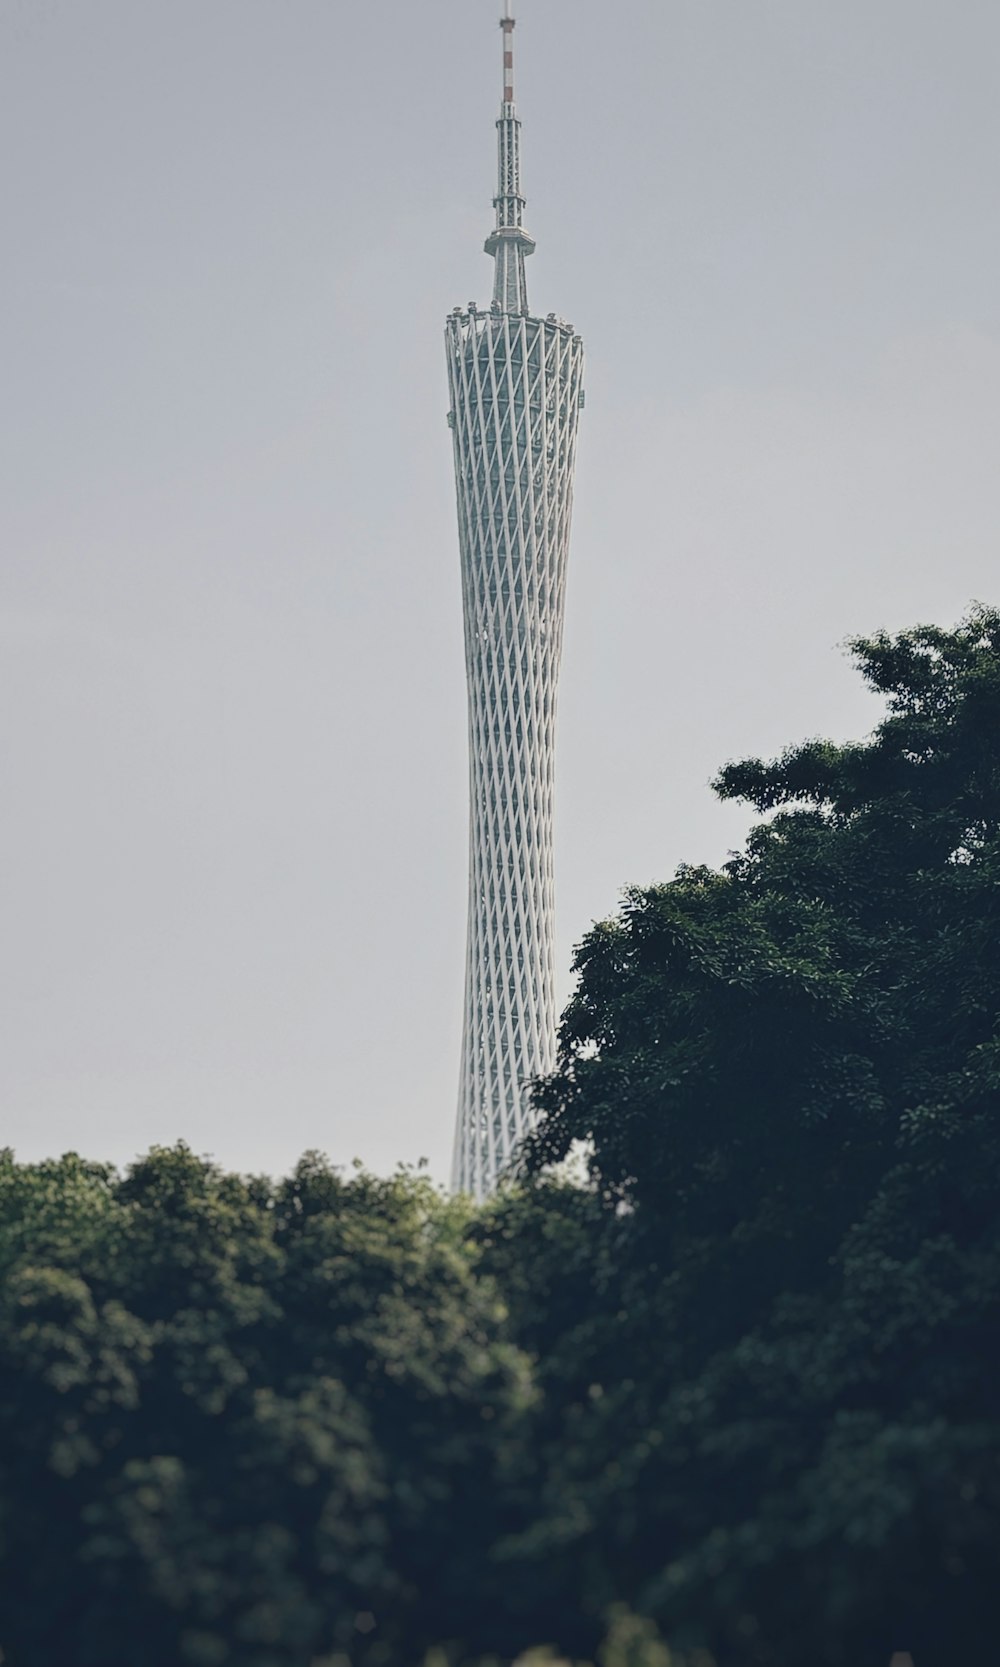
[516, 390]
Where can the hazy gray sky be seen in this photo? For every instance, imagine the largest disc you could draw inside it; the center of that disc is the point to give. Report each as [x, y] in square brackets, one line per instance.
[233, 707]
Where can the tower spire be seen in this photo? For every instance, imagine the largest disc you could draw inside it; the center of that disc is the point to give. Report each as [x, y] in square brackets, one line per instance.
[507, 25]
[509, 243]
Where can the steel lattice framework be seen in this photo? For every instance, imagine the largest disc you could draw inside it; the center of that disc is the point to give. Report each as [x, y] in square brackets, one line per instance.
[516, 391]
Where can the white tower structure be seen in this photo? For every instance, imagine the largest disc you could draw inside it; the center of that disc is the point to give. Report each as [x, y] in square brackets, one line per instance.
[516, 390]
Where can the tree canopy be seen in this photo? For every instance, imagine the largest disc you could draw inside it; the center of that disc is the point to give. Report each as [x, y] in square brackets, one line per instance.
[741, 1382]
[787, 1075]
[241, 1422]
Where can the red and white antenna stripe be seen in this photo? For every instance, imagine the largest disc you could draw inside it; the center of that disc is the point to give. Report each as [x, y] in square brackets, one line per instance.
[507, 25]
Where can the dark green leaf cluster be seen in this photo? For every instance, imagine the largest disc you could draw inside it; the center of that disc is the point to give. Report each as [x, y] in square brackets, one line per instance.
[242, 1423]
[738, 1390]
[787, 1079]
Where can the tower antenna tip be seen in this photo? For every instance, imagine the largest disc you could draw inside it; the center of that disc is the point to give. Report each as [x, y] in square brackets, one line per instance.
[507, 25]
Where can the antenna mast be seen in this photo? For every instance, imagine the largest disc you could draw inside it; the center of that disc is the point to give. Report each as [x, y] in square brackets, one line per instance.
[507, 25]
[509, 243]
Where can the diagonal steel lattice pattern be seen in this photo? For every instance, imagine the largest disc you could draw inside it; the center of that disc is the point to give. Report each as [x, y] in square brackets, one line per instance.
[516, 390]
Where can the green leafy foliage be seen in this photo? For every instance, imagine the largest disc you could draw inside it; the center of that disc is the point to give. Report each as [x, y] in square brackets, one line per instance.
[241, 1423]
[737, 1391]
[788, 1079]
